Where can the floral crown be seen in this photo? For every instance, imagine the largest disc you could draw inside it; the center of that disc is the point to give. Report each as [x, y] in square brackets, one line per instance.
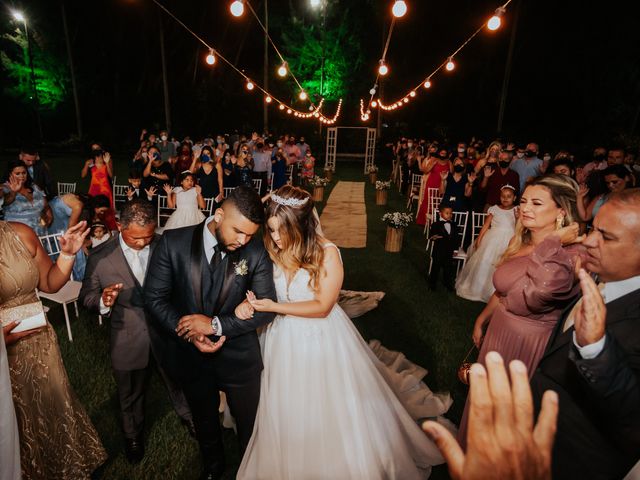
[289, 202]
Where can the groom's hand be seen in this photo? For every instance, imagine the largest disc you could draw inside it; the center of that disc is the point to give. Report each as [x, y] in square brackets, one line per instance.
[195, 325]
[205, 345]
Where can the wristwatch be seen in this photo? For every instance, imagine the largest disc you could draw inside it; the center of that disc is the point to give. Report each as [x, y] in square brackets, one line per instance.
[215, 322]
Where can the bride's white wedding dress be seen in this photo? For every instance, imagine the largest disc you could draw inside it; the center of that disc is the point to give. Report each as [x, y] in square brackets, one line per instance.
[325, 410]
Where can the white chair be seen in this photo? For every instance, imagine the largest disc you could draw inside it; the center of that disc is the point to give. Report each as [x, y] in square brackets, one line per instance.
[257, 184]
[120, 193]
[271, 181]
[415, 190]
[70, 292]
[208, 206]
[227, 191]
[478, 219]
[460, 219]
[66, 188]
[164, 211]
[290, 174]
[433, 202]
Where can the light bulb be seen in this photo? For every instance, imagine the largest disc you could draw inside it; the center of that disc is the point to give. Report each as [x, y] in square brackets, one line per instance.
[399, 8]
[303, 95]
[427, 84]
[374, 104]
[383, 69]
[406, 100]
[372, 91]
[289, 111]
[316, 114]
[250, 85]
[268, 99]
[281, 107]
[18, 16]
[237, 8]
[450, 65]
[311, 108]
[282, 70]
[211, 59]
[494, 23]
[412, 94]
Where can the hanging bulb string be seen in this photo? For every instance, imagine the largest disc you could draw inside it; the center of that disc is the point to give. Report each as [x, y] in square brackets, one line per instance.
[264, 29]
[242, 74]
[403, 100]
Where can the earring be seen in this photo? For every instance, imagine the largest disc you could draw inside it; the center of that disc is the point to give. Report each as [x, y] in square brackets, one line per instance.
[559, 222]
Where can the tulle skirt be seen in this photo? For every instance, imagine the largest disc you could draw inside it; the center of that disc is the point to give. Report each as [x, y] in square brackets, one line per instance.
[184, 217]
[326, 412]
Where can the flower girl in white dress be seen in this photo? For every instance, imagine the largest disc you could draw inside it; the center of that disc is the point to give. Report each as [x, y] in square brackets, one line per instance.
[187, 200]
[325, 410]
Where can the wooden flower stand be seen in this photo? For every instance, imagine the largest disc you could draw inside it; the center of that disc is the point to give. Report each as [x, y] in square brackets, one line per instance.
[381, 196]
[318, 194]
[393, 242]
[373, 177]
[328, 174]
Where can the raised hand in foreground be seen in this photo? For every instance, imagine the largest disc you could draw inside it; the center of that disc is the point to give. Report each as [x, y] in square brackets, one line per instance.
[502, 441]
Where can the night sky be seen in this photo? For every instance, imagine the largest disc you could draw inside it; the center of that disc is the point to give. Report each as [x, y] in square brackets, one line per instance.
[575, 74]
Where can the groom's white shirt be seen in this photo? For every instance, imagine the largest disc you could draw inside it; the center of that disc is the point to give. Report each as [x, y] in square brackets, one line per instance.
[209, 242]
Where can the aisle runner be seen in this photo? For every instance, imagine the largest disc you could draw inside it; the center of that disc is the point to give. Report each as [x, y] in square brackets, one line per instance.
[344, 218]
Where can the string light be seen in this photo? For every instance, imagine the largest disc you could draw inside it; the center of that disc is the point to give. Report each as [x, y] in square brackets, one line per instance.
[237, 8]
[383, 69]
[281, 107]
[250, 85]
[268, 99]
[211, 58]
[303, 95]
[282, 69]
[399, 8]
[450, 64]
[495, 21]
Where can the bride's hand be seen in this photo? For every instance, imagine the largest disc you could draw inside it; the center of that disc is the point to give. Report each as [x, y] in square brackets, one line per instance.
[264, 305]
[244, 311]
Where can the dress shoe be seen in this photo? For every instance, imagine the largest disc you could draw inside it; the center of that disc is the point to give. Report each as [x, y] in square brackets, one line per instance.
[191, 428]
[134, 449]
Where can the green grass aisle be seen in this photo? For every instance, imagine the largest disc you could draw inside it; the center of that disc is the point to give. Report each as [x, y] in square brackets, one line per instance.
[433, 329]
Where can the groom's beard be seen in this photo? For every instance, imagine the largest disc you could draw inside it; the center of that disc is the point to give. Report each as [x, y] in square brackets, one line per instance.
[226, 247]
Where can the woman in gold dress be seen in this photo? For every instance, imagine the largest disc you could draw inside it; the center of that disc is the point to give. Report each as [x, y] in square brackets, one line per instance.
[57, 438]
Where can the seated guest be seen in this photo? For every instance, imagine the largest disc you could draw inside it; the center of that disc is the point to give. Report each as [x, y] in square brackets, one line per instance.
[24, 201]
[445, 238]
[593, 358]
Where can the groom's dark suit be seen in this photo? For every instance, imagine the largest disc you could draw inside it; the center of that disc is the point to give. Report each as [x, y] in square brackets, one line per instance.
[181, 282]
[599, 419]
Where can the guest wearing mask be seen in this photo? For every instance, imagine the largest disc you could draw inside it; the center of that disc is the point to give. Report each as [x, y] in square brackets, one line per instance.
[528, 166]
[496, 178]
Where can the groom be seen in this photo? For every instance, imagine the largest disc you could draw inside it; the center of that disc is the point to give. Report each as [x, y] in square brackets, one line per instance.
[196, 282]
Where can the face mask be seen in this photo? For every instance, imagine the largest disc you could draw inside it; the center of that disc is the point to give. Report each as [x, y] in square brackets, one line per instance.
[530, 153]
[204, 158]
[520, 154]
[145, 155]
[308, 155]
[458, 168]
[227, 157]
[219, 140]
[410, 144]
[302, 141]
[443, 156]
[156, 156]
[546, 158]
[260, 146]
[461, 150]
[504, 164]
[279, 144]
[185, 152]
[163, 138]
[598, 158]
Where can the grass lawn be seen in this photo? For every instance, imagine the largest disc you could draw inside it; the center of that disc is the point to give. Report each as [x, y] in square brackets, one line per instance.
[433, 329]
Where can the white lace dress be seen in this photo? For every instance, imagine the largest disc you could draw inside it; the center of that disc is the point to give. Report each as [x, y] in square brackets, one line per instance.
[475, 281]
[187, 212]
[325, 410]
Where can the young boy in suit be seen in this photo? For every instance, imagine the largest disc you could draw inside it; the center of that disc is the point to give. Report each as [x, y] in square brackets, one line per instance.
[445, 238]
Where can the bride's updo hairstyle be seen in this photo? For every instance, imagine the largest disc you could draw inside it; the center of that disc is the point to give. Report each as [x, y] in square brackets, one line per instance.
[301, 248]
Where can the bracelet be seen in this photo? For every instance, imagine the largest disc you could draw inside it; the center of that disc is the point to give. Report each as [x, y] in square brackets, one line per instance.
[65, 256]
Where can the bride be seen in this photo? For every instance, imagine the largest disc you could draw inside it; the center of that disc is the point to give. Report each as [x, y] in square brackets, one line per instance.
[325, 409]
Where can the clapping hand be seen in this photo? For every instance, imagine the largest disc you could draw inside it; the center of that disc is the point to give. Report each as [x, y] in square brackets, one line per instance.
[244, 311]
[13, 184]
[72, 240]
[471, 177]
[151, 191]
[488, 171]
[263, 305]
[130, 192]
[590, 319]
[106, 157]
[167, 188]
[502, 438]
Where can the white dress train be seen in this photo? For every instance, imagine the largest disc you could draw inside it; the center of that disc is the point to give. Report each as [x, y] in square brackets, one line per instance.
[325, 410]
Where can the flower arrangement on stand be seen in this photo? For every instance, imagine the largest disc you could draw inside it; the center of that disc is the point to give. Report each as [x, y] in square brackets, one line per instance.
[396, 223]
[382, 191]
[372, 171]
[318, 184]
[328, 173]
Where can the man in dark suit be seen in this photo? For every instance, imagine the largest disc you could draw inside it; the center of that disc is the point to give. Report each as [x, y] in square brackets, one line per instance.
[113, 286]
[445, 238]
[197, 284]
[593, 360]
[38, 170]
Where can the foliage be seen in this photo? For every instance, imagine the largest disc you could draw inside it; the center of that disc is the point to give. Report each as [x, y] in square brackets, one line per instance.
[51, 74]
[383, 185]
[338, 43]
[397, 219]
[318, 181]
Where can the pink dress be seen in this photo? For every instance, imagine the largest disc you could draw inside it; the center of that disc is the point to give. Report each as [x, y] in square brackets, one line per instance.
[533, 290]
[433, 181]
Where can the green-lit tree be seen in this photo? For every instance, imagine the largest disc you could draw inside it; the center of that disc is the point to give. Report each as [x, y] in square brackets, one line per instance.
[51, 74]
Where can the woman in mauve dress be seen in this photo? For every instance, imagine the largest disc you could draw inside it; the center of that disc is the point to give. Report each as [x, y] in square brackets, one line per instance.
[536, 278]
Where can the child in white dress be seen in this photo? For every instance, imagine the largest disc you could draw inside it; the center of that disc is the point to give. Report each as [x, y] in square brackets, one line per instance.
[187, 200]
[475, 281]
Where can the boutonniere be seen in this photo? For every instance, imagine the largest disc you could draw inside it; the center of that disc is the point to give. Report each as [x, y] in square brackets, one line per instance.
[241, 268]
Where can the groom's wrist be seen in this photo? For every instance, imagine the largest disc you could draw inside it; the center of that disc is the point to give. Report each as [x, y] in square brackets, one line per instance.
[216, 326]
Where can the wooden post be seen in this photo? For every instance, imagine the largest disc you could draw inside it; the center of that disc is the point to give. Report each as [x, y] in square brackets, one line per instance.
[318, 194]
[381, 196]
[393, 242]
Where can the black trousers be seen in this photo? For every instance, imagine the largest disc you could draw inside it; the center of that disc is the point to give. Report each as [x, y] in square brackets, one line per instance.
[204, 398]
[444, 263]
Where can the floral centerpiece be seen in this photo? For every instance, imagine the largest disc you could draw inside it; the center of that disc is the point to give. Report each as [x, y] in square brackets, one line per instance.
[396, 223]
[328, 173]
[382, 191]
[318, 184]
